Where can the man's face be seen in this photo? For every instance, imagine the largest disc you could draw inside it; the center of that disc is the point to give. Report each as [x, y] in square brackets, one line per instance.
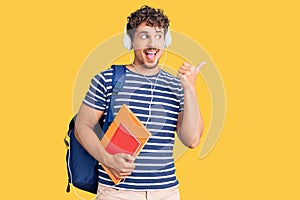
[148, 44]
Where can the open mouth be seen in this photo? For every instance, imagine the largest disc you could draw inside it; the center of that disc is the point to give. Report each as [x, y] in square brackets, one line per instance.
[151, 53]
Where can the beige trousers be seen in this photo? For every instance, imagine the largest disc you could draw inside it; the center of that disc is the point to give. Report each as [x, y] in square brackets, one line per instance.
[107, 193]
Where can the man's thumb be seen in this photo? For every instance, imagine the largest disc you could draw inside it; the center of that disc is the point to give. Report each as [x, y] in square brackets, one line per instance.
[200, 65]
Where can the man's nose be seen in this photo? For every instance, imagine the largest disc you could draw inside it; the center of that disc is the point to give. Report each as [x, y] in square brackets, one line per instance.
[151, 42]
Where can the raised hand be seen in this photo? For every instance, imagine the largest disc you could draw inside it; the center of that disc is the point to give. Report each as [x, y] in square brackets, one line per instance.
[187, 74]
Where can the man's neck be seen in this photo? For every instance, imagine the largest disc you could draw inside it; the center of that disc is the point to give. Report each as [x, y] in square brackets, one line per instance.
[144, 70]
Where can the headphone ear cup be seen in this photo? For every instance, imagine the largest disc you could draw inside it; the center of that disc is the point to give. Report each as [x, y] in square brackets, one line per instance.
[127, 41]
[168, 38]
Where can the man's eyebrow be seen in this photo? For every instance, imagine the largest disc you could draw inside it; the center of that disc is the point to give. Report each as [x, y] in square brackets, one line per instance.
[145, 31]
[142, 32]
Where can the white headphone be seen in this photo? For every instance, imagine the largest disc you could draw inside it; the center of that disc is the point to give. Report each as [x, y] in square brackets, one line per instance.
[128, 44]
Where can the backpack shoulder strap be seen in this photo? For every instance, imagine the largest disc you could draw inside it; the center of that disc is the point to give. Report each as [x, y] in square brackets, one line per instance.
[118, 79]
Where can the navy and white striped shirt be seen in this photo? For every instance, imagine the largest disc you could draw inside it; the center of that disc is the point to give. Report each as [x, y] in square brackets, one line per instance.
[156, 100]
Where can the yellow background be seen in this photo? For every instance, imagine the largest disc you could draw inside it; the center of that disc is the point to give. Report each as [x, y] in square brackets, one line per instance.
[255, 45]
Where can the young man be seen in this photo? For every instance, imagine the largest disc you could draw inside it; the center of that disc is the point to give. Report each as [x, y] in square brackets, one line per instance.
[162, 102]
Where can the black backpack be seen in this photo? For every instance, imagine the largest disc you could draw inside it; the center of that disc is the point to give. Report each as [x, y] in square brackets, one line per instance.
[81, 166]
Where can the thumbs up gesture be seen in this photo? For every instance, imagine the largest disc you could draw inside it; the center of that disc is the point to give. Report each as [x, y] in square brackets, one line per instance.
[187, 75]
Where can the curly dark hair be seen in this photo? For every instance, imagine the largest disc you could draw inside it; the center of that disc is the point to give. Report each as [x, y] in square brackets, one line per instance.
[153, 17]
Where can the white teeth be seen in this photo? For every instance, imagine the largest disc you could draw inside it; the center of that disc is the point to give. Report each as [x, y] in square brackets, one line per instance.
[151, 53]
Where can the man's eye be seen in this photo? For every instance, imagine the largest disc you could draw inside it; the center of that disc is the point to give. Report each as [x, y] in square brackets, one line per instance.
[158, 37]
[143, 37]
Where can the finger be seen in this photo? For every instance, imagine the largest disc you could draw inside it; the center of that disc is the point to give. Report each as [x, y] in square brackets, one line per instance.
[123, 176]
[200, 65]
[125, 173]
[127, 157]
[119, 175]
[185, 67]
[179, 75]
[186, 64]
[182, 71]
[129, 166]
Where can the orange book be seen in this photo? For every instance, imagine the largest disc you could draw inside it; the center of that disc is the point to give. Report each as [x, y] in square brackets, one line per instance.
[126, 134]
